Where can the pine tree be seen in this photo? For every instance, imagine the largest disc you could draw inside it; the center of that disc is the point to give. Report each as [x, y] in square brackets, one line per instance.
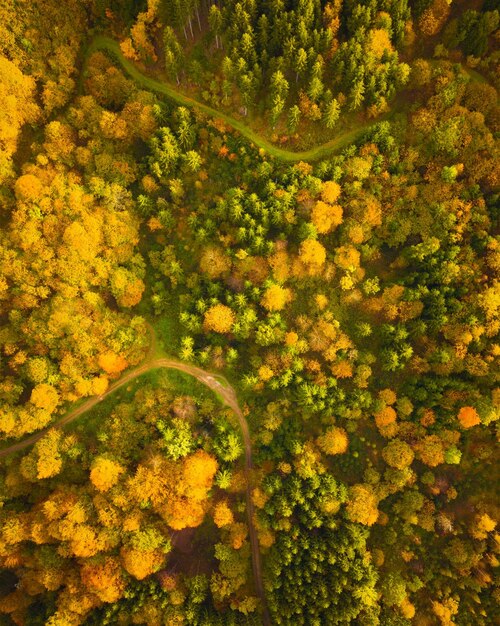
[215, 21]
[293, 118]
[332, 113]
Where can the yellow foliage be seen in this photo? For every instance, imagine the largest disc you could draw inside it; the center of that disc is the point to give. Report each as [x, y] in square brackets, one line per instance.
[17, 93]
[326, 217]
[387, 395]
[127, 47]
[385, 417]
[483, 525]
[140, 564]
[407, 609]
[321, 301]
[49, 460]
[28, 187]
[259, 498]
[356, 233]
[307, 463]
[378, 42]
[45, 397]
[445, 611]
[312, 254]
[99, 385]
[342, 369]
[430, 450]
[104, 579]
[333, 441]
[199, 470]
[112, 363]
[265, 373]
[279, 263]
[219, 318]
[275, 298]
[347, 257]
[238, 535]
[84, 541]
[362, 505]
[433, 18]
[105, 473]
[126, 287]
[223, 516]
[330, 191]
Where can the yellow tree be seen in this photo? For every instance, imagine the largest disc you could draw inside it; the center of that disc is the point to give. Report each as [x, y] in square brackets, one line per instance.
[326, 217]
[104, 578]
[275, 298]
[330, 191]
[45, 397]
[17, 94]
[49, 459]
[362, 505]
[219, 318]
[105, 473]
[313, 255]
[223, 516]
[333, 441]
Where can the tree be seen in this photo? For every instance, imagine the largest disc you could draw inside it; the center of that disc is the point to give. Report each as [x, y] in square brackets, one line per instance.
[223, 515]
[18, 95]
[293, 118]
[177, 438]
[334, 441]
[357, 94]
[331, 114]
[468, 417]
[393, 589]
[28, 188]
[398, 454]
[45, 396]
[362, 505]
[112, 363]
[173, 53]
[275, 298]
[430, 450]
[312, 254]
[126, 287]
[215, 21]
[330, 191]
[105, 579]
[214, 262]
[49, 461]
[219, 318]
[326, 217]
[300, 63]
[193, 160]
[347, 257]
[105, 472]
[278, 94]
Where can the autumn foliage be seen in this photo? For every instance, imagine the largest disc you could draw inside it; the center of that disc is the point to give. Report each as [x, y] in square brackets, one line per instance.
[219, 318]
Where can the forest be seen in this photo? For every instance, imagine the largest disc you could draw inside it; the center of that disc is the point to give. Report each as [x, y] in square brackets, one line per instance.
[249, 312]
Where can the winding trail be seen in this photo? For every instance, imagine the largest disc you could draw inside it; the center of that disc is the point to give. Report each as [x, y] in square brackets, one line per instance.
[100, 42]
[217, 383]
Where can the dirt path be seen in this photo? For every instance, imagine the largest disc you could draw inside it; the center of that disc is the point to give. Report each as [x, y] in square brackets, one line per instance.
[219, 385]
